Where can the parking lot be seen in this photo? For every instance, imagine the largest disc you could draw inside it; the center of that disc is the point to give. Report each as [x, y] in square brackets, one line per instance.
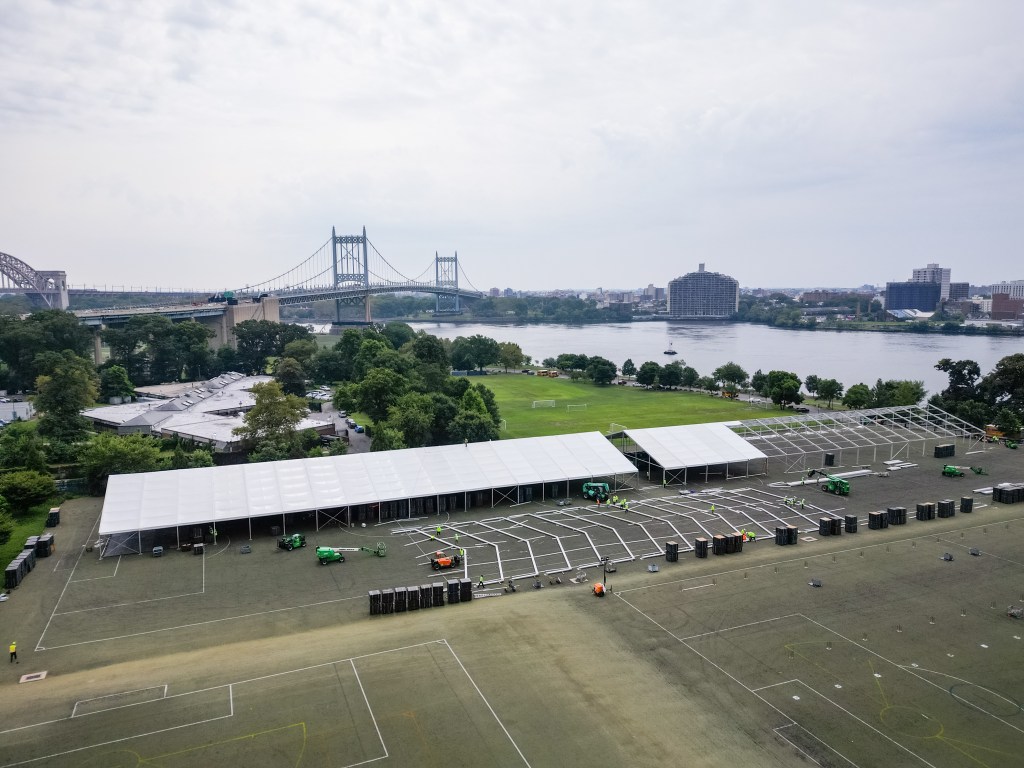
[270, 658]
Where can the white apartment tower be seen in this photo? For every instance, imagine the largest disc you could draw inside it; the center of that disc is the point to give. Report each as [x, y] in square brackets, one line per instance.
[933, 273]
[703, 295]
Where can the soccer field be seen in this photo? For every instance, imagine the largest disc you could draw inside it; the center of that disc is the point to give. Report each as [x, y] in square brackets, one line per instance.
[628, 406]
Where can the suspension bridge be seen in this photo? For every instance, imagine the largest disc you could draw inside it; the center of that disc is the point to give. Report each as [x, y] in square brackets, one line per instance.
[347, 269]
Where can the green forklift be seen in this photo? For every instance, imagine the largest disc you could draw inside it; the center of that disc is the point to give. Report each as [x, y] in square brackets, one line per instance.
[831, 484]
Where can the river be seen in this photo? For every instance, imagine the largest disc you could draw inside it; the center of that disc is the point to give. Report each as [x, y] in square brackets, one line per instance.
[850, 357]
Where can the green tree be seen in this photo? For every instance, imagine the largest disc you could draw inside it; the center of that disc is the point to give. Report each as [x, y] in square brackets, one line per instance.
[24, 488]
[783, 388]
[387, 439]
[430, 350]
[510, 355]
[21, 341]
[301, 350]
[858, 396]
[759, 382]
[629, 368]
[474, 352]
[828, 389]
[1004, 385]
[290, 375]
[379, 390]
[690, 377]
[399, 334]
[811, 385]
[63, 394]
[601, 370]
[109, 454]
[648, 374]
[445, 409]
[273, 417]
[114, 382]
[1007, 422]
[671, 375]
[413, 416]
[473, 427]
[964, 377]
[21, 448]
[707, 383]
[731, 373]
[6, 523]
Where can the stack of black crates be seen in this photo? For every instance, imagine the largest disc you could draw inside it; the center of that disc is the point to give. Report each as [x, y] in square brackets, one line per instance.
[786, 534]
[966, 504]
[1008, 493]
[830, 526]
[404, 599]
[926, 510]
[672, 551]
[850, 523]
[945, 451]
[700, 547]
[947, 508]
[897, 515]
[878, 520]
[53, 517]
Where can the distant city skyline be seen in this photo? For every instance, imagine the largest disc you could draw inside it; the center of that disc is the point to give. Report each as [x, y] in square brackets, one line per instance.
[550, 144]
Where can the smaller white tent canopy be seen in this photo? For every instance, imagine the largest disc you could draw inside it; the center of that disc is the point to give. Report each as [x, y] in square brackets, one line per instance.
[183, 497]
[676, 450]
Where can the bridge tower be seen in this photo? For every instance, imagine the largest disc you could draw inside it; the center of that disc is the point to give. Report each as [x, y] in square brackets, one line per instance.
[350, 265]
[47, 288]
[446, 276]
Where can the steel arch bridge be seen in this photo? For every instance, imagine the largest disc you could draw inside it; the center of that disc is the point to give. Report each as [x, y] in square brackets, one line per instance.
[348, 269]
[48, 288]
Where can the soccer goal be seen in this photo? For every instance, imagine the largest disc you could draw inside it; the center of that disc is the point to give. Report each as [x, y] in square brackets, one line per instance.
[543, 403]
[576, 407]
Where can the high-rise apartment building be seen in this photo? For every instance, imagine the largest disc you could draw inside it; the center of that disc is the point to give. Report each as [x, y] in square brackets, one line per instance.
[913, 295]
[703, 295]
[933, 273]
[1014, 289]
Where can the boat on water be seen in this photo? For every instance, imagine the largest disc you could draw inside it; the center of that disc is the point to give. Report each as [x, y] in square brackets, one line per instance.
[670, 351]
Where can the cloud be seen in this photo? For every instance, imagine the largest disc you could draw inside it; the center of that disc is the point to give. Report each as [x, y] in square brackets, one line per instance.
[775, 141]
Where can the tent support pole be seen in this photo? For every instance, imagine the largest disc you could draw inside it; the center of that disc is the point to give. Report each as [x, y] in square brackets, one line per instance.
[250, 527]
[177, 536]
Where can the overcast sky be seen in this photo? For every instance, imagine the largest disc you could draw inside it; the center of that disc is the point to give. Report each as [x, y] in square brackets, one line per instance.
[552, 144]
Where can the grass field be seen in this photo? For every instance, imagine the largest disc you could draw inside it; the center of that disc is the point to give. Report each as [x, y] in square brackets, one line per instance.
[629, 406]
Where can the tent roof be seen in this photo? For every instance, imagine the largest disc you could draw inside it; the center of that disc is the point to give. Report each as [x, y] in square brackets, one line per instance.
[694, 445]
[151, 500]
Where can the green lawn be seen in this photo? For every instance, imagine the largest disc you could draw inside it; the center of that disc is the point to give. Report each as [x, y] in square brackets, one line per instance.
[630, 406]
[31, 524]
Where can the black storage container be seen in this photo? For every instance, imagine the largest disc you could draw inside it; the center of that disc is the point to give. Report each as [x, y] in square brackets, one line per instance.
[825, 526]
[453, 591]
[401, 599]
[830, 459]
[780, 535]
[413, 596]
[465, 590]
[945, 451]
[53, 518]
[374, 595]
[739, 542]
[718, 544]
[837, 526]
[437, 588]
[12, 576]
[387, 600]
[966, 504]
[426, 596]
[671, 551]
[947, 508]
[850, 523]
[792, 534]
[700, 547]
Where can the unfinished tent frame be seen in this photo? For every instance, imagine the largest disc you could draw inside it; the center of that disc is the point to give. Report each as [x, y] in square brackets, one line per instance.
[673, 455]
[804, 441]
[361, 488]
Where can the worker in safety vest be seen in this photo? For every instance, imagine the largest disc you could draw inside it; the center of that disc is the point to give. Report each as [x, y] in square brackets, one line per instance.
[752, 536]
[14, 652]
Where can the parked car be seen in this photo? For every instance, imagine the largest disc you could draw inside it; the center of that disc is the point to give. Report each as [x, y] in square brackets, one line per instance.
[359, 430]
[802, 409]
[351, 422]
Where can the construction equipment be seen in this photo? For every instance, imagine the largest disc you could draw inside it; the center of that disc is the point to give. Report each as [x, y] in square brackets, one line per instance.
[949, 470]
[336, 554]
[979, 470]
[598, 589]
[442, 562]
[595, 491]
[832, 484]
[1011, 444]
[291, 542]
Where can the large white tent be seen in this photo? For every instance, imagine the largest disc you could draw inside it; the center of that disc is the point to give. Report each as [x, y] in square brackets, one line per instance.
[186, 497]
[673, 451]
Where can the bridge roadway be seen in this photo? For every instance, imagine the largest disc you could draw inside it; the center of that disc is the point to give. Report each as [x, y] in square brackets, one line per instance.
[223, 317]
